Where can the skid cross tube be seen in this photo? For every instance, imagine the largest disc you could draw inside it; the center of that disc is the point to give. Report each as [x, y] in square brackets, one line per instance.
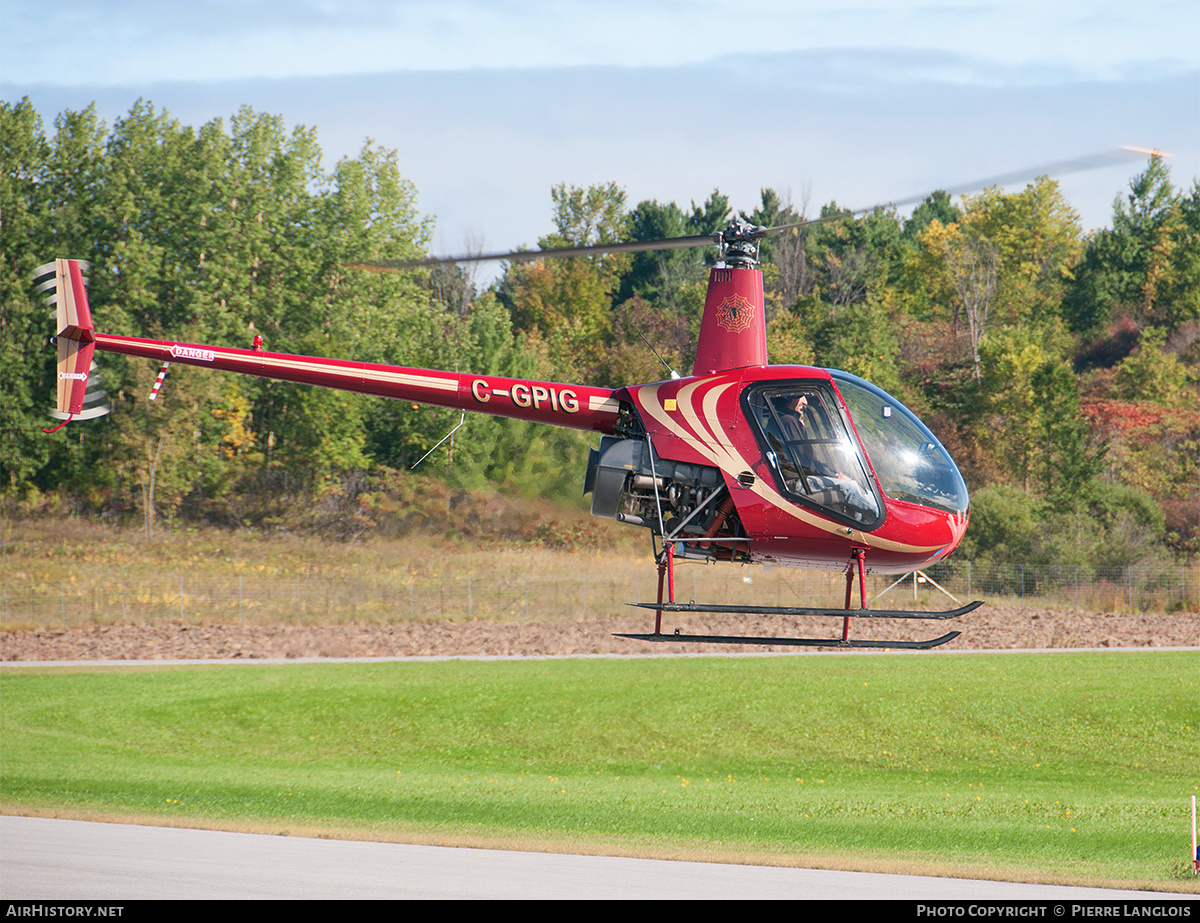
[666, 582]
[856, 560]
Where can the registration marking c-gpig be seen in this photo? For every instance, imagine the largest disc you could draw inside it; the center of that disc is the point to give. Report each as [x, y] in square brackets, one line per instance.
[527, 395]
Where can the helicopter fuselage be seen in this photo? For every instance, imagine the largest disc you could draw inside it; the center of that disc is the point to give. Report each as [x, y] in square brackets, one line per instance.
[872, 478]
[742, 461]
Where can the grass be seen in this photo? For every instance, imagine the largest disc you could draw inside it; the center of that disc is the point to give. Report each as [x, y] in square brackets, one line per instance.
[60, 575]
[1056, 767]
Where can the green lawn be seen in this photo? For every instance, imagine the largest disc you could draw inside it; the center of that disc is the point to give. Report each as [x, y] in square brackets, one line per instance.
[1074, 766]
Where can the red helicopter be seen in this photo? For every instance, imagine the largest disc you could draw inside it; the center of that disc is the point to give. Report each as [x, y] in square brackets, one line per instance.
[740, 461]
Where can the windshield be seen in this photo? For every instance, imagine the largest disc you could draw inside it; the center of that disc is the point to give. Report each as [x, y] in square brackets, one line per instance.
[908, 460]
[811, 450]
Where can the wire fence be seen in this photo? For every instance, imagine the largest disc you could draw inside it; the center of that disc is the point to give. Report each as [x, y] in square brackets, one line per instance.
[256, 599]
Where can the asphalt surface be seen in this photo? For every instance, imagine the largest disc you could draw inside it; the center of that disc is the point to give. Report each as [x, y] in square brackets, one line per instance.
[51, 859]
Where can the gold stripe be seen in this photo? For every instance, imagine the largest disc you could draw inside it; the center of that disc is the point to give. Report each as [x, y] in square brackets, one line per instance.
[726, 457]
[400, 378]
[602, 404]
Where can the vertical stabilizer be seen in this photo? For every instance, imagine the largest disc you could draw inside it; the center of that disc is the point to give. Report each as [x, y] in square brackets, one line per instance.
[66, 290]
[733, 333]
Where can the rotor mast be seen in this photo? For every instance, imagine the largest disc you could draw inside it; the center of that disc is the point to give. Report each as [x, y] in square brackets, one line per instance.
[733, 331]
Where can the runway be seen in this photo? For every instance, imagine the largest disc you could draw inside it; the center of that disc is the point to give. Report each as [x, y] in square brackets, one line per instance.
[51, 859]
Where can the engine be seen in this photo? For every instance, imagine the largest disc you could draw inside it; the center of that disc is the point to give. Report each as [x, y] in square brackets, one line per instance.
[631, 483]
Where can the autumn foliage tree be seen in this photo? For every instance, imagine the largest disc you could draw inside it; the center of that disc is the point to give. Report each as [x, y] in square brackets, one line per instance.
[1060, 370]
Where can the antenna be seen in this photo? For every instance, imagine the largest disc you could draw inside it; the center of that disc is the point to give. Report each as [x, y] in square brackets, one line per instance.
[674, 375]
[461, 420]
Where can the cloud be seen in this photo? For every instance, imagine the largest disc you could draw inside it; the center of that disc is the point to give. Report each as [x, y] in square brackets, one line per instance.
[139, 41]
[484, 147]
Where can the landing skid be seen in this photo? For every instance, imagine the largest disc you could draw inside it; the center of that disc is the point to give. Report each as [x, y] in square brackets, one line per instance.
[666, 574]
[785, 610]
[836, 643]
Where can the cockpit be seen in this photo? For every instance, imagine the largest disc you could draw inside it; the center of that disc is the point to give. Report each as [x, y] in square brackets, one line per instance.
[812, 452]
[908, 459]
[818, 462]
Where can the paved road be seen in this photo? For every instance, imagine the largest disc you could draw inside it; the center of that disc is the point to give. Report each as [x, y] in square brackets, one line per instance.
[48, 859]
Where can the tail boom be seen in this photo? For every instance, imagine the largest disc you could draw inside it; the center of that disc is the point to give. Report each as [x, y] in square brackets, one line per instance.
[575, 406]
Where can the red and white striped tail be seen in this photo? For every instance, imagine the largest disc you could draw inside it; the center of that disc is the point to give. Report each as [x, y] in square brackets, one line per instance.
[65, 288]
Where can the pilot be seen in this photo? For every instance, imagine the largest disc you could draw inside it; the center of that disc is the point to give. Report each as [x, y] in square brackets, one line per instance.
[817, 478]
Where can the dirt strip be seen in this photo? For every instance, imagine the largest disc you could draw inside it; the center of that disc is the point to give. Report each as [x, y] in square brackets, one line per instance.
[989, 628]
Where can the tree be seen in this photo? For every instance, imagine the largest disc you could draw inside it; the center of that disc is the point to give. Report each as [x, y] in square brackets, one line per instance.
[656, 275]
[583, 217]
[784, 255]
[667, 278]
[1067, 454]
[173, 445]
[1035, 235]
[969, 267]
[205, 235]
[939, 206]
[1152, 374]
[850, 259]
[24, 320]
[1173, 284]
[860, 340]
[1004, 261]
[711, 216]
[523, 456]
[1122, 268]
[1015, 405]
[638, 326]
[568, 301]
[1005, 523]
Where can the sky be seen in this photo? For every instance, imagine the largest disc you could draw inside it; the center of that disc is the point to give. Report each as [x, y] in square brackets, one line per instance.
[490, 104]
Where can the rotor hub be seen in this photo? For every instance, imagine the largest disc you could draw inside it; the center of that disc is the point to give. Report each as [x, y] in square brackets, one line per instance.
[738, 243]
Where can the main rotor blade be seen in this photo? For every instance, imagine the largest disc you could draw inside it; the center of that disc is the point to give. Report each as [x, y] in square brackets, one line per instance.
[1057, 168]
[748, 233]
[524, 256]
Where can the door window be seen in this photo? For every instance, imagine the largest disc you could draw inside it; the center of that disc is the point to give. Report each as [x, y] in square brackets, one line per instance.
[812, 452]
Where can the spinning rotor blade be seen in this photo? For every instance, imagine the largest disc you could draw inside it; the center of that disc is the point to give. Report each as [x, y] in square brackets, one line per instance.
[740, 232]
[522, 256]
[1057, 168]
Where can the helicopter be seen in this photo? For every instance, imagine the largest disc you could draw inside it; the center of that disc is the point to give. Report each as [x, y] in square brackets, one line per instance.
[740, 461]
